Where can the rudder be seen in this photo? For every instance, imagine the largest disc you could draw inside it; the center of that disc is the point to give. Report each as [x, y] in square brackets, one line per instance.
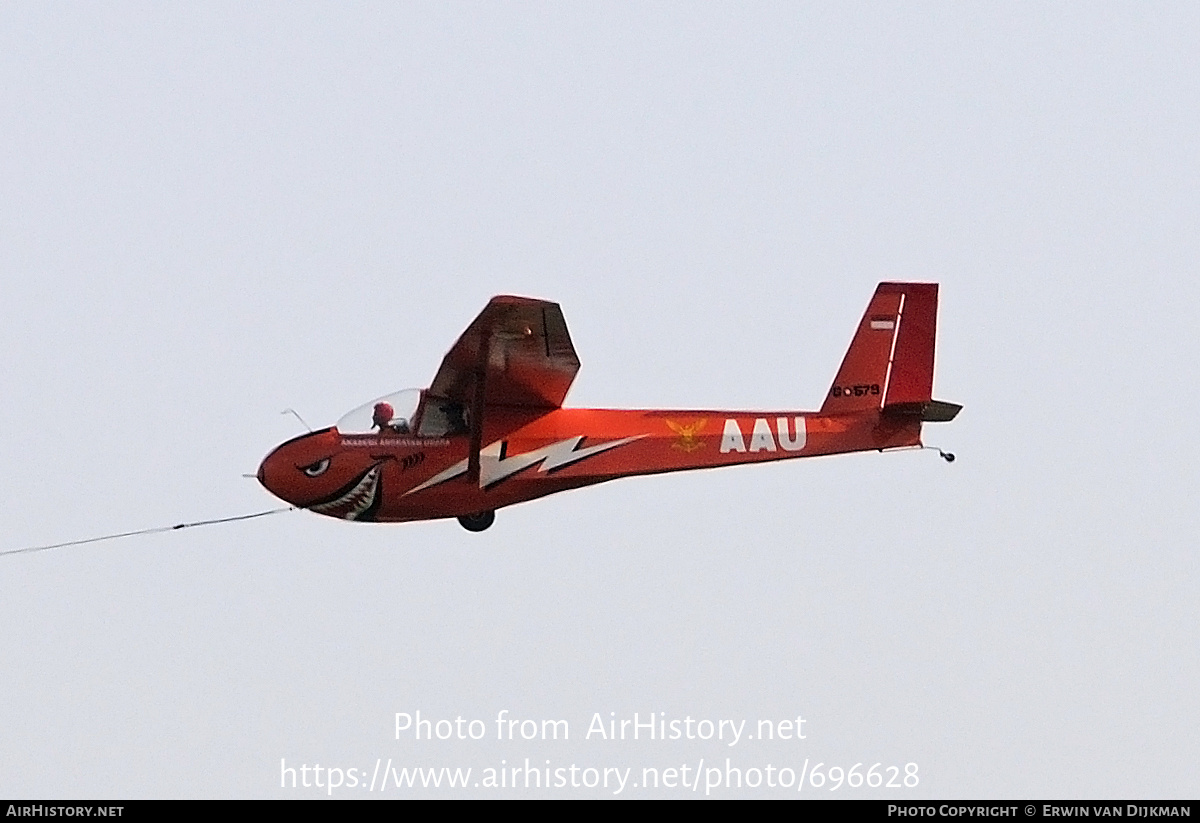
[890, 359]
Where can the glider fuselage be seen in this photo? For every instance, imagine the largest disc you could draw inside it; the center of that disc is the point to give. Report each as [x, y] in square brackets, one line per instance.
[524, 455]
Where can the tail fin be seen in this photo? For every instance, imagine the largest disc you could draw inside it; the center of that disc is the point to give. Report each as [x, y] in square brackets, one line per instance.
[890, 361]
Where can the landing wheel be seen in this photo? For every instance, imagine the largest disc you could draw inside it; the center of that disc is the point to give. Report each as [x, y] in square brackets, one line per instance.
[477, 522]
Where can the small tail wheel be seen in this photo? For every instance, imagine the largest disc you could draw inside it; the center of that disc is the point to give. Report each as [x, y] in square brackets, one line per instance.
[477, 522]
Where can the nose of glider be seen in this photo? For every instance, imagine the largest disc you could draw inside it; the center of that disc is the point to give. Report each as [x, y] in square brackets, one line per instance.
[272, 475]
[290, 470]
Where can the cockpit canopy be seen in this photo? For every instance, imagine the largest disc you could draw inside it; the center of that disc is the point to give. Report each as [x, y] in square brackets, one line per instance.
[397, 411]
[409, 412]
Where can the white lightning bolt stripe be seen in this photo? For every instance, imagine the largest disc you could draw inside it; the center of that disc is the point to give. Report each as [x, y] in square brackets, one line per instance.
[493, 468]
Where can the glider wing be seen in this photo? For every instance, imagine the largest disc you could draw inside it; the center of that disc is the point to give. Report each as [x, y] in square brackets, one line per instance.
[517, 351]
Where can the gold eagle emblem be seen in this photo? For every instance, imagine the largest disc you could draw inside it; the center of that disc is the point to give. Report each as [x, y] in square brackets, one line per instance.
[689, 440]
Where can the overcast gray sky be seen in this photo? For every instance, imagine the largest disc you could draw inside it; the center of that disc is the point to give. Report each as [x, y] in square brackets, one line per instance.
[212, 212]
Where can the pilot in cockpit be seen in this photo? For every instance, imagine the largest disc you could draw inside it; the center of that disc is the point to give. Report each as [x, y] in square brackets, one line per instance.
[383, 420]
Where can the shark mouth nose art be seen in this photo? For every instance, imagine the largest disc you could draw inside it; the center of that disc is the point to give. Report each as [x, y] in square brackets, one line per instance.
[356, 501]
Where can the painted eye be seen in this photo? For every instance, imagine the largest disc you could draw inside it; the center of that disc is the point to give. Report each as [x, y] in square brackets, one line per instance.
[316, 469]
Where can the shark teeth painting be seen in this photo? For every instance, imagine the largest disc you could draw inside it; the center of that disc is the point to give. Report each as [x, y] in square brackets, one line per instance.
[357, 501]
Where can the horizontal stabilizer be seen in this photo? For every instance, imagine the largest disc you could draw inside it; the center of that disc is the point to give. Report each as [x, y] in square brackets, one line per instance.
[934, 411]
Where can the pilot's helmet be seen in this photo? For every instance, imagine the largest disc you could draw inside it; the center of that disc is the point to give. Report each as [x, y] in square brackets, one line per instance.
[383, 414]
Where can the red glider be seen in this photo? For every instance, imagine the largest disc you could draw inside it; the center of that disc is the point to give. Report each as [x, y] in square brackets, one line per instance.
[491, 431]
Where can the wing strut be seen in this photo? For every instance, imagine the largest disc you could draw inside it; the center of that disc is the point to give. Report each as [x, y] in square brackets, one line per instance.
[477, 402]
